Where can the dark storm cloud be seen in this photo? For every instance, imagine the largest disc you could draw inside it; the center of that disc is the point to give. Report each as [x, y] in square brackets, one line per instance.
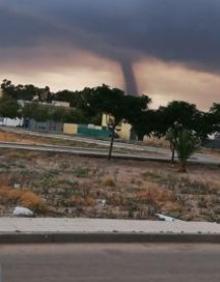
[123, 30]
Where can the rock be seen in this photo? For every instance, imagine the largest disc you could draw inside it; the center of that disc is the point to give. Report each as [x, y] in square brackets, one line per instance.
[17, 186]
[101, 202]
[22, 212]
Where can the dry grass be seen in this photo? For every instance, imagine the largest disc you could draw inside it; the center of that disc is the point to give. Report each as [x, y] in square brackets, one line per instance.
[75, 186]
[25, 198]
[9, 137]
[155, 193]
[77, 201]
[109, 182]
[30, 200]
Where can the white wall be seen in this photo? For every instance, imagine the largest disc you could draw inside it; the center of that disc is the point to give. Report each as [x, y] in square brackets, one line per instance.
[11, 122]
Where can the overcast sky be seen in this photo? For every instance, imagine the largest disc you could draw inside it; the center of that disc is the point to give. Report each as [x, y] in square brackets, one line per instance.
[167, 49]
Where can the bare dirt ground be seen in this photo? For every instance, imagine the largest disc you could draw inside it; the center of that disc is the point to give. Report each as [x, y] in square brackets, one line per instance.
[63, 185]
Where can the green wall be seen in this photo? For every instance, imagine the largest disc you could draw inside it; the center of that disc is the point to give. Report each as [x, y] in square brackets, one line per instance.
[92, 132]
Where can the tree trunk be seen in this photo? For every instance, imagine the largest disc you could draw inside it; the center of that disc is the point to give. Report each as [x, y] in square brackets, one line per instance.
[172, 148]
[140, 137]
[111, 143]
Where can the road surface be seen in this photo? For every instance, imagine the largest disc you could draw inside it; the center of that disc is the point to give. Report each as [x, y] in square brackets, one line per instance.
[110, 263]
[130, 151]
[100, 153]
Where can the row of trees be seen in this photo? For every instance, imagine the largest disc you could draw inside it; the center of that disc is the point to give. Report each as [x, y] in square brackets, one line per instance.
[90, 102]
[175, 121]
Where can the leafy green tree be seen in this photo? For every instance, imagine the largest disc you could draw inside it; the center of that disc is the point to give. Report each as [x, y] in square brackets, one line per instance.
[41, 112]
[205, 124]
[214, 115]
[9, 107]
[186, 144]
[72, 97]
[36, 111]
[136, 112]
[171, 136]
[57, 114]
[25, 92]
[7, 88]
[75, 116]
[106, 100]
[176, 112]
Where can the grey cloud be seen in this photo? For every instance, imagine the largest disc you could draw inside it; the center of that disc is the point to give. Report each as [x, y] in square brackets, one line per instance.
[126, 30]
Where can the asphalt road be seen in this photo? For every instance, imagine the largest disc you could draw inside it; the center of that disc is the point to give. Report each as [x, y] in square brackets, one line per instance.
[197, 158]
[118, 263]
[134, 151]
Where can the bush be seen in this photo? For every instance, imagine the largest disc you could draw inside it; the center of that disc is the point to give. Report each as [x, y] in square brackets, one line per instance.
[31, 200]
[186, 144]
[81, 172]
[25, 198]
[109, 182]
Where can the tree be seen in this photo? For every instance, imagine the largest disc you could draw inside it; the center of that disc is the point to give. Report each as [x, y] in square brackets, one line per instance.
[105, 100]
[144, 123]
[72, 97]
[205, 124]
[176, 113]
[171, 136]
[25, 92]
[214, 116]
[137, 114]
[7, 88]
[36, 111]
[186, 144]
[57, 114]
[9, 107]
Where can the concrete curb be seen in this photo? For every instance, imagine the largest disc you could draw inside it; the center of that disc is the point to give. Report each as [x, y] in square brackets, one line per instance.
[41, 238]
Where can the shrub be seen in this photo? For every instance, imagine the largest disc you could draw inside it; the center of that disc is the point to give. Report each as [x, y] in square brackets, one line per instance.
[81, 201]
[172, 208]
[25, 198]
[186, 144]
[109, 182]
[154, 194]
[31, 200]
[81, 172]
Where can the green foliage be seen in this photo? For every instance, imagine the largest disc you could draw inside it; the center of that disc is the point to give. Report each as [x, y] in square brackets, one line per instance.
[214, 117]
[81, 172]
[72, 97]
[40, 112]
[25, 92]
[103, 99]
[137, 114]
[176, 112]
[143, 123]
[74, 116]
[173, 132]
[9, 107]
[36, 111]
[186, 144]
[88, 105]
